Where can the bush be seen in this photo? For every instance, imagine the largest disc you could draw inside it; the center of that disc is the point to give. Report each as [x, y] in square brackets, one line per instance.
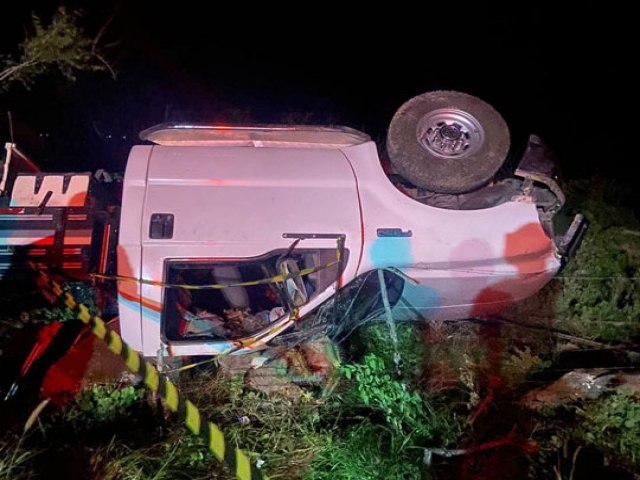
[612, 425]
[406, 412]
[106, 403]
[601, 288]
[411, 346]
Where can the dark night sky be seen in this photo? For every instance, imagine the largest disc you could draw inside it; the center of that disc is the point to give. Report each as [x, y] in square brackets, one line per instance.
[563, 75]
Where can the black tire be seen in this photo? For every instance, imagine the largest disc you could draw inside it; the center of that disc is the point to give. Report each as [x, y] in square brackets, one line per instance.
[447, 142]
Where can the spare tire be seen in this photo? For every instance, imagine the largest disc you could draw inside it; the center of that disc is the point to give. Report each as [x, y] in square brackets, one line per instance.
[447, 142]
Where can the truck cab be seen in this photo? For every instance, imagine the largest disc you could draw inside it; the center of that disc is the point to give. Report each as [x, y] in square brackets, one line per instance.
[207, 210]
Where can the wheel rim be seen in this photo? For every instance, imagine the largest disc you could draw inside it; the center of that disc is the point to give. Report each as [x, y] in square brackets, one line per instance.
[450, 133]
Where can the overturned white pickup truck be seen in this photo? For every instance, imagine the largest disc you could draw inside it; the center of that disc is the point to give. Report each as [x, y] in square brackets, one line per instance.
[228, 235]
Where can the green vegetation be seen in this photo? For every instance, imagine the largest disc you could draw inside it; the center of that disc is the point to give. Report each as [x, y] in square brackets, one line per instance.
[281, 434]
[598, 433]
[14, 460]
[600, 295]
[411, 347]
[366, 452]
[520, 364]
[387, 421]
[357, 434]
[612, 425]
[82, 292]
[376, 424]
[176, 456]
[407, 412]
[387, 418]
[105, 403]
[60, 46]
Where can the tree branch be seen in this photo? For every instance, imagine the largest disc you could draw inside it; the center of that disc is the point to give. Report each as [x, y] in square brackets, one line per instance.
[9, 71]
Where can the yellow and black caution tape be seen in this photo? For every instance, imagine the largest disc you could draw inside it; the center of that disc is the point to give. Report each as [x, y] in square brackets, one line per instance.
[280, 278]
[234, 458]
[216, 286]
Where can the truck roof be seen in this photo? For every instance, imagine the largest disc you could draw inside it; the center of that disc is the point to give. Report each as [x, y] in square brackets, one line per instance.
[297, 136]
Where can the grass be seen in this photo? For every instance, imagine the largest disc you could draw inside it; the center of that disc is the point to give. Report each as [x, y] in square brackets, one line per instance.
[366, 452]
[15, 460]
[124, 435]
[376, 424]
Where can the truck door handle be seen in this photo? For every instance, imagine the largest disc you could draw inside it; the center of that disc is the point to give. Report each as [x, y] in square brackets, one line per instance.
[161, 226]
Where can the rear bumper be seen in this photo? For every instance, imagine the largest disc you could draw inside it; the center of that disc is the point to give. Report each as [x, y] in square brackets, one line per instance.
[539, 170]
[570, 241]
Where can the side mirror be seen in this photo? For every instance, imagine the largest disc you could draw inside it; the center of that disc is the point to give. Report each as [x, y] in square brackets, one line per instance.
[294, 287]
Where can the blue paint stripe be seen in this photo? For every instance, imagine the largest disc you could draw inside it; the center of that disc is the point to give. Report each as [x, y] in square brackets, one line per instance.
[146, 311]
[391, 252]
[26, 233]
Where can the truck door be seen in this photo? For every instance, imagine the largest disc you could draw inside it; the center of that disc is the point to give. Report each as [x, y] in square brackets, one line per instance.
[239, 204]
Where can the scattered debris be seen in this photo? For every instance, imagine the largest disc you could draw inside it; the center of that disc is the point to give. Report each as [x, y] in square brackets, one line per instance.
[581, 384]
[286, 373]
[510, 439]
